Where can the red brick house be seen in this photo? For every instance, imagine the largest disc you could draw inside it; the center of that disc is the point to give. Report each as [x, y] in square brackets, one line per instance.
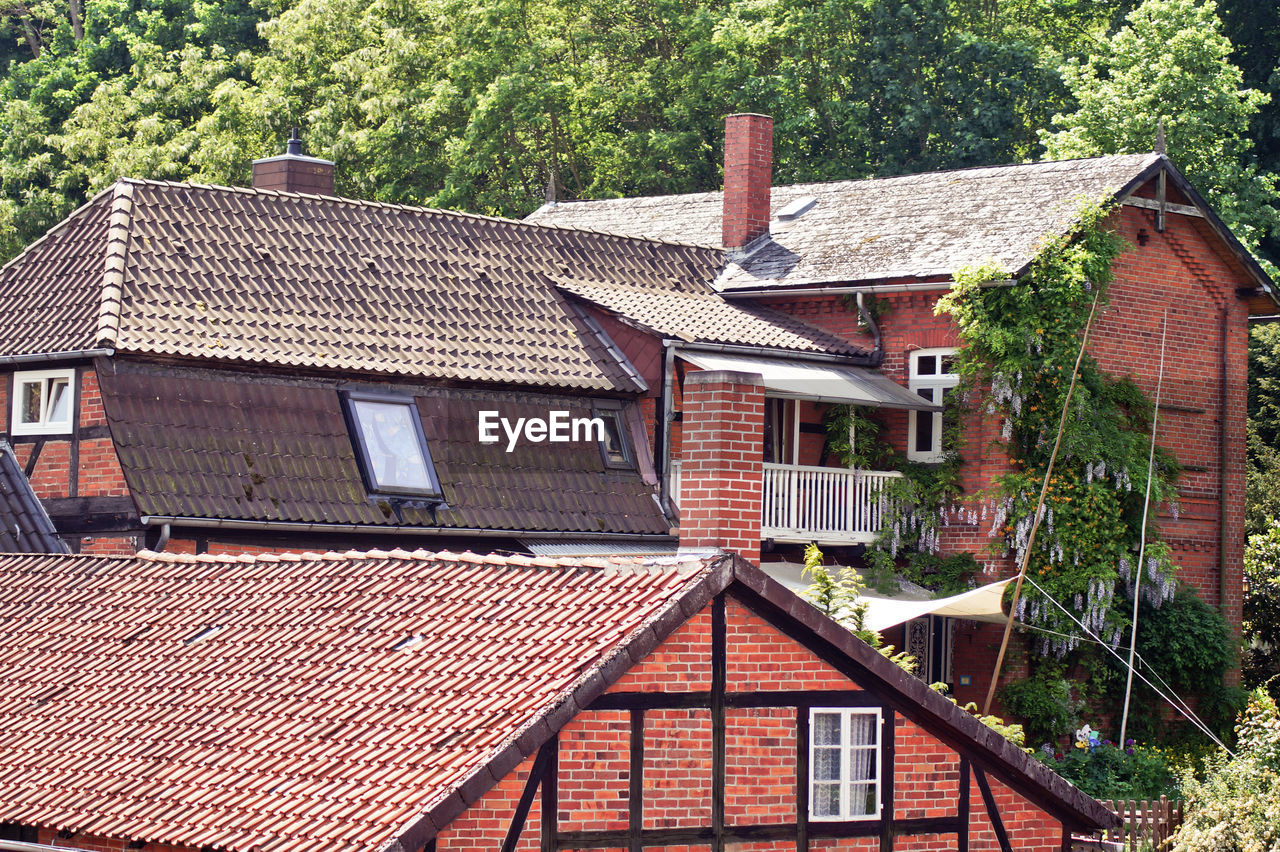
[405, 701]
[819, 252]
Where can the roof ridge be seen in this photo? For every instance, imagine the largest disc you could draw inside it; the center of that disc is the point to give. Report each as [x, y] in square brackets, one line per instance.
[411, 208]
[119, 230]
[495, 560]
[847, 181]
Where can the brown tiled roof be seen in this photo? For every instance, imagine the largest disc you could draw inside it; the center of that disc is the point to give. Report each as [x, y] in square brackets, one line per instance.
[297, 724]
[913, 226]
[701, 315]
[217, 445]
[245, 275]
[24, 525]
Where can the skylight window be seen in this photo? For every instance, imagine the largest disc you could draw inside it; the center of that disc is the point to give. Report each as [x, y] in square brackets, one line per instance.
[42, 402]
[386, 431]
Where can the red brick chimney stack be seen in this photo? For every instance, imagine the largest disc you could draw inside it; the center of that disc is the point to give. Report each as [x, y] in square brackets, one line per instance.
[294, 171]
[748, 173]
[722, 472]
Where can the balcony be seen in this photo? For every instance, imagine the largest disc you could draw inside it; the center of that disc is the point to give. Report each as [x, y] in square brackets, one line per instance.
[827, 505]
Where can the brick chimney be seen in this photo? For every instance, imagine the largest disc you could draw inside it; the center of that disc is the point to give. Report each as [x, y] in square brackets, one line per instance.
[721, 466]
[748, 172]
[294, 171]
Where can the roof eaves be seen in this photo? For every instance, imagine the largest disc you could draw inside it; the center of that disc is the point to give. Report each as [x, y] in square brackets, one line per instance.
[712, 578]
[931, 710]
[119, 227]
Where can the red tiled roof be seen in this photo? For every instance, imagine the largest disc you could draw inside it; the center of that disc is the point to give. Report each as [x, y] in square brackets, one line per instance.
[296, 724]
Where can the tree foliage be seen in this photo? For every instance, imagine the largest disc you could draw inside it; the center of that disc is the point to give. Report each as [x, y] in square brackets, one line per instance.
[1171, 63]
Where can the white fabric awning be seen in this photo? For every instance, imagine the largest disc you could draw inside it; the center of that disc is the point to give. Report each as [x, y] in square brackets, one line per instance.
[820, 382]
[980, 604]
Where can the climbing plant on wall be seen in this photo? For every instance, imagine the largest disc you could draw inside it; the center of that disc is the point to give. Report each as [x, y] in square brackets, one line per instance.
[1020, 346]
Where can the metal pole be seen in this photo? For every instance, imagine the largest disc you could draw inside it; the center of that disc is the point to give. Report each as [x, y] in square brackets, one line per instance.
[1142, 541]
[1035, 523]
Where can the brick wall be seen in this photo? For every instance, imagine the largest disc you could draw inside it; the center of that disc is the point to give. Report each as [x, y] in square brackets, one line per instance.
[82, 464]
[761, 755]
[748, 174]
[720, 490]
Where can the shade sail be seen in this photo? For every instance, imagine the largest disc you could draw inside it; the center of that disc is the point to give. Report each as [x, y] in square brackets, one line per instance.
[820, 382]
[980, 604]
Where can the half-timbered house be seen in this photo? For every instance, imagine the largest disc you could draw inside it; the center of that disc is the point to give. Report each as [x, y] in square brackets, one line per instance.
[399, 702]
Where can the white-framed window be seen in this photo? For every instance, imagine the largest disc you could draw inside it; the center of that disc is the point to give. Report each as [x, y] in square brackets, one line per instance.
[43, 402]
[844, 763]
[932, 375]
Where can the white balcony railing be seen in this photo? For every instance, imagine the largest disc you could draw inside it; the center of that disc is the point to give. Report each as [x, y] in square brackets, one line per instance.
[829, 505]
[823, 504]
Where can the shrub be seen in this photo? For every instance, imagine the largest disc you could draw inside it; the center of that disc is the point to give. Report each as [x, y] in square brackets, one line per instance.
[1106, 771]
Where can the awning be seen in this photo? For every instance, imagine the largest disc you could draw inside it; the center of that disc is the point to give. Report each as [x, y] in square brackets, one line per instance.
[820, 382]
[980, 604]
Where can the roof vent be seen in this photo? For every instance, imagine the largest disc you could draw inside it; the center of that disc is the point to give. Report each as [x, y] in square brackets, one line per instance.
[797, 208]
[202, 635]
[409, 642]
[294, 171]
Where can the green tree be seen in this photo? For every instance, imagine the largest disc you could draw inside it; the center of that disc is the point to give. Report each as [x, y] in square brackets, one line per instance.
[1262, 484]
[1171, 62]
[1261, 658]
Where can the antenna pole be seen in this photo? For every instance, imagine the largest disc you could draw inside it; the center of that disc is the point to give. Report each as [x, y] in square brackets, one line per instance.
[1142, 542]
[1035, 523]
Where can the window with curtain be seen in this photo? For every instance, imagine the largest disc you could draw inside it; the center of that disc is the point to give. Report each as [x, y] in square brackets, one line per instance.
[43, 402]
[844, 763]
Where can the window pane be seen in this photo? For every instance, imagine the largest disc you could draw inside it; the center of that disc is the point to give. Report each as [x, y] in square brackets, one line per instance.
[32, 401]
[862, 729]
[948, 363]
[391, 440]
[826, 764]
[862, 799]
[927, 365]
[60, 401]
[825, 800]
[826, 729]
[615, 451]
[924, 432]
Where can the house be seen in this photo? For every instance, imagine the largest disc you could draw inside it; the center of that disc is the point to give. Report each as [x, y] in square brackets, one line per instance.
[821, 253]
[213, 369]
[407, 701]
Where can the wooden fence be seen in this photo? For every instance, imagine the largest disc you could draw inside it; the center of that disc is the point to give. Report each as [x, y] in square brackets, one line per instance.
[1147, 826]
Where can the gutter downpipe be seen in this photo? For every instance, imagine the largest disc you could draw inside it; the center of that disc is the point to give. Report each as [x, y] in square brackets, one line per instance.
[462, 532]
[877, 351]
[1224, 540]
[73, 355]
[871, 289]
[163, 541]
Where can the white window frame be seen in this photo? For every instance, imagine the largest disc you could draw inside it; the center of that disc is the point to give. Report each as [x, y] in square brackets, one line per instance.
[937, 386]
[44, 426]
[846, 714]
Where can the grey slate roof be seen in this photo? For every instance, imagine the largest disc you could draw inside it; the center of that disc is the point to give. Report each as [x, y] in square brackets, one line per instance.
[24, 525]
[913, 226]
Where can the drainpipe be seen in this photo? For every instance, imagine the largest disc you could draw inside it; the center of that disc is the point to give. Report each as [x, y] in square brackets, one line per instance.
[163, 541]
[876, 358]
[1224, 541]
